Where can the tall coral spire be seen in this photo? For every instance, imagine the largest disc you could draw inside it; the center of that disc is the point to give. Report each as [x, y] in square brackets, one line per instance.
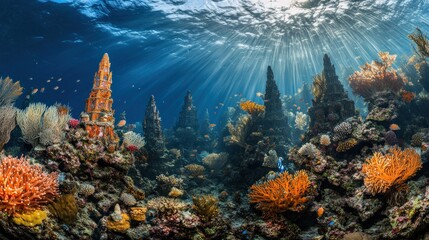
[98, 115]
[152, 129]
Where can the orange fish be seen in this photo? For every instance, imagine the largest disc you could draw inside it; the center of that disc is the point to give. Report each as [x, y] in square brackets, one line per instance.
[206, 136]
[298, 108]
[34, 91]
[212, 125]
[320, 211]
[121, 123]
[394, 127]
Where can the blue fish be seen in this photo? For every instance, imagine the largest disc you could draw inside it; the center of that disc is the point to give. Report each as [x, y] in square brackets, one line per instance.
[280, 165]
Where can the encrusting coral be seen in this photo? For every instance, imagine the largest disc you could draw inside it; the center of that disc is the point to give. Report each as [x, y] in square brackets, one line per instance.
[391, 170]
[286, 192]
[25, 187]
[376, 77]
[30, 218]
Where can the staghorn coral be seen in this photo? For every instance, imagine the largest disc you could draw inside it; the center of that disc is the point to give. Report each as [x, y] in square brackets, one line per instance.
[7, 124]
[252, 108]
[132, 138]
[9, 91]
[286, 192]
[346, 145]
[195, 171]
[325, 140]
[376, 77]
[166, 206]
[215, 161]
[319, 87]
[206, 207]
[301, 120]
[25, 187]
[30, 218]
[391, 170]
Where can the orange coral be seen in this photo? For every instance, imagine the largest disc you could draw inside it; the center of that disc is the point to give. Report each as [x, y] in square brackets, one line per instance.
[281, 194]
[252, 107]
[377, 77]
[25, 187]
[390, 170]
[407, 96]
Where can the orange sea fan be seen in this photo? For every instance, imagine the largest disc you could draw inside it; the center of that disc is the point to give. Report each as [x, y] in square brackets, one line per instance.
[377, 77]
[252, 107]
[382, 172]
[25, 187]
[286, 192]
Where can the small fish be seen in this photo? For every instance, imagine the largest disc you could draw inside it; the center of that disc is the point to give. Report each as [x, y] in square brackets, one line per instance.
[394, 127]
[27, 97]
[132, 85]
[78, 80]
[56, 88]
[121, 123]
[206, 136]
[221, 104]
[48, 81]
[259, 94]
[42, 90]
[75, 90]
[320, 211]
[30, 78]
[298, 108]
[34, 91]
[52, 77]
[212, 125]
[59, 79]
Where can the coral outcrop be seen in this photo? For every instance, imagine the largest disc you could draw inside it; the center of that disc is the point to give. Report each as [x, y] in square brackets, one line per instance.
[153, 131]
[186, 129]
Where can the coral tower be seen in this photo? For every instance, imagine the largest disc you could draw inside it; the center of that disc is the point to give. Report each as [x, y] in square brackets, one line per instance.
[98, 116]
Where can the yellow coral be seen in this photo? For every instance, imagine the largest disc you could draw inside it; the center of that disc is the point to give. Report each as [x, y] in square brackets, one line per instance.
[175, 192]
[30, 219]
[281, 194]
[390, 170]
[138, 214]
[346, 145]
[119, 226]
[252, 107]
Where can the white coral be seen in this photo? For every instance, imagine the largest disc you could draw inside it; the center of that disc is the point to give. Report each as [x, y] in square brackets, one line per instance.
[309, 150]
[301, 120]
[132, 138]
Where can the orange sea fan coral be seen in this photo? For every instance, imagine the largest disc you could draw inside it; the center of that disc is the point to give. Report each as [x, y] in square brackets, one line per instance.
[377, 77]
[252, 108]
[25, 187]
[287, 192]
[382, 172]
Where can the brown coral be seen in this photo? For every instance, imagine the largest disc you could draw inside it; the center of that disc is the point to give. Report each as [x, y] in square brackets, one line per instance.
[195, 171]
[319, 87]
[206, 207]
[421, 41]
[382, 172]
[376, 77]
[252, 108]
[287, 192]
[346, 145]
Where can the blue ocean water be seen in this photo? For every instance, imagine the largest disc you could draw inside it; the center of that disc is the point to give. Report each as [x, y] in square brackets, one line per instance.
[217, 49]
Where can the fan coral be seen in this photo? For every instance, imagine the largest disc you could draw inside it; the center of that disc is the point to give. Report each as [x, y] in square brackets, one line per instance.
[9, 91]
[132, 138]
[376, 77]
[166, 206]
[25, 187]
[7, 124]
[325, 140]
[252, 108]
[301, 120]
[421, 41]
[284, 193]
[309, 150]
[382, 172]
[346, 145]
[206, 207]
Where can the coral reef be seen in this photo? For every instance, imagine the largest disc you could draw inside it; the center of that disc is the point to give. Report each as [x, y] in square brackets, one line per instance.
[186, 128]
[286, 192]
[26, 187]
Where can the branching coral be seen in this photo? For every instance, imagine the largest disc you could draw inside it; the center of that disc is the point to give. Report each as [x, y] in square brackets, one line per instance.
[25, 187]
[287, 192]
[376, 77]
[382, 172]
[239, 132]
[206, 207]
[421, 42]
[252, 108]
[9, 91]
